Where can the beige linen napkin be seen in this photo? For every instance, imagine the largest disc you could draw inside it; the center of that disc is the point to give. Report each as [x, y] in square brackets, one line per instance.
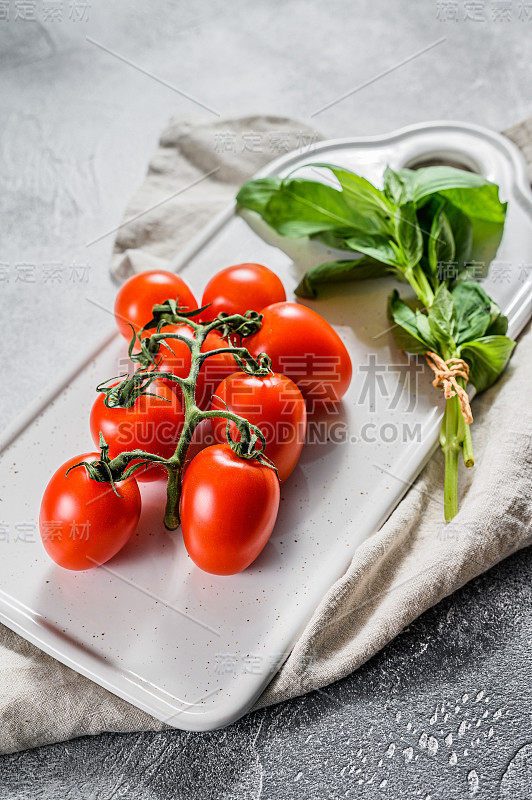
[406, 567]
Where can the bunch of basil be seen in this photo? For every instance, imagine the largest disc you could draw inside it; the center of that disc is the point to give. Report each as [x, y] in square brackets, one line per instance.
[427, 227]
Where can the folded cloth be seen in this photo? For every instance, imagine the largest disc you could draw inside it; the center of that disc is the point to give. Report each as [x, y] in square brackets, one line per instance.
[410, 564]
[194, 173]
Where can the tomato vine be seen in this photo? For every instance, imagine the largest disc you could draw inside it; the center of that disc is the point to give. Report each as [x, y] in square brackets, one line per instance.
[125, 393]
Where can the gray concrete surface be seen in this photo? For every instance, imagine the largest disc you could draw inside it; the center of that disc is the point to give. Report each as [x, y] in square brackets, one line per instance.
[443, 713]
[82, 101]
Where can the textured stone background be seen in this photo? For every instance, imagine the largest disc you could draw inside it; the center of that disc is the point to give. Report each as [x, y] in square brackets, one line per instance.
[443, 712]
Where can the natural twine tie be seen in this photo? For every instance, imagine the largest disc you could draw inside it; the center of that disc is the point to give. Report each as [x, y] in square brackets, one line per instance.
[445, 375]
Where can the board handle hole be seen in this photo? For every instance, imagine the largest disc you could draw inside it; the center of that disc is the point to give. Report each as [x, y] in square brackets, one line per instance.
[439, 159]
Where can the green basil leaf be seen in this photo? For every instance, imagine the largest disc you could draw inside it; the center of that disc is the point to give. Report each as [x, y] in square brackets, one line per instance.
[398, 185]
[486, 215]
[408, 235]
[403, 226]
[442, 318]
[407, 333]
[333, 271]
[480, 203]
[376, 246]
[301, 208]
[255, 195]
[368, 199]
[473, 310]
[441, 246]
[486, 240]
[447, 269]
[487, 357]
[498, 321]
[425, 331]
[427, 181]
[462, 230]
[336, 239]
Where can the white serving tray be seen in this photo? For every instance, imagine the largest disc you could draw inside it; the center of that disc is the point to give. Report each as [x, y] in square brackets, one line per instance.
[196, 650]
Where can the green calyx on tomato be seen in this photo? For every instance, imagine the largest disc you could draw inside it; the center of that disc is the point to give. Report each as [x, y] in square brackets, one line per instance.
[125, 393]
[140, 293]
[153, 423]
[82, 523]
[273, 403]
[114, 470]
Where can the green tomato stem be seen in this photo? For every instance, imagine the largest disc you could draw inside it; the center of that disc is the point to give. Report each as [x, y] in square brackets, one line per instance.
[420, 284]
[451, 445]
[426, 294]
[451, 483]
[173, 494]
[455, 436]
[467, 451]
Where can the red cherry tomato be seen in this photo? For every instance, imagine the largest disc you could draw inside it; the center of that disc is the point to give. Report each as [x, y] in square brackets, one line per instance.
[82, 522]
[241, 288]
[138, 295]
[228, 509]
[303, 346]
[177, 360]
[152, 424]
[275, 405]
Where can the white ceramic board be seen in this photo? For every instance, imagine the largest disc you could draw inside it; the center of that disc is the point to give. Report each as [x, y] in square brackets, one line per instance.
[196, 650]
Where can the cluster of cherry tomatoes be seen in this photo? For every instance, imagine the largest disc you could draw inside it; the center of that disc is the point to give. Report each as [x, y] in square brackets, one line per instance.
[228, 504]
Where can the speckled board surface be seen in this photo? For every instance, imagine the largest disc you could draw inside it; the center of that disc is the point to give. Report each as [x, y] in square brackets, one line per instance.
[442, 713]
